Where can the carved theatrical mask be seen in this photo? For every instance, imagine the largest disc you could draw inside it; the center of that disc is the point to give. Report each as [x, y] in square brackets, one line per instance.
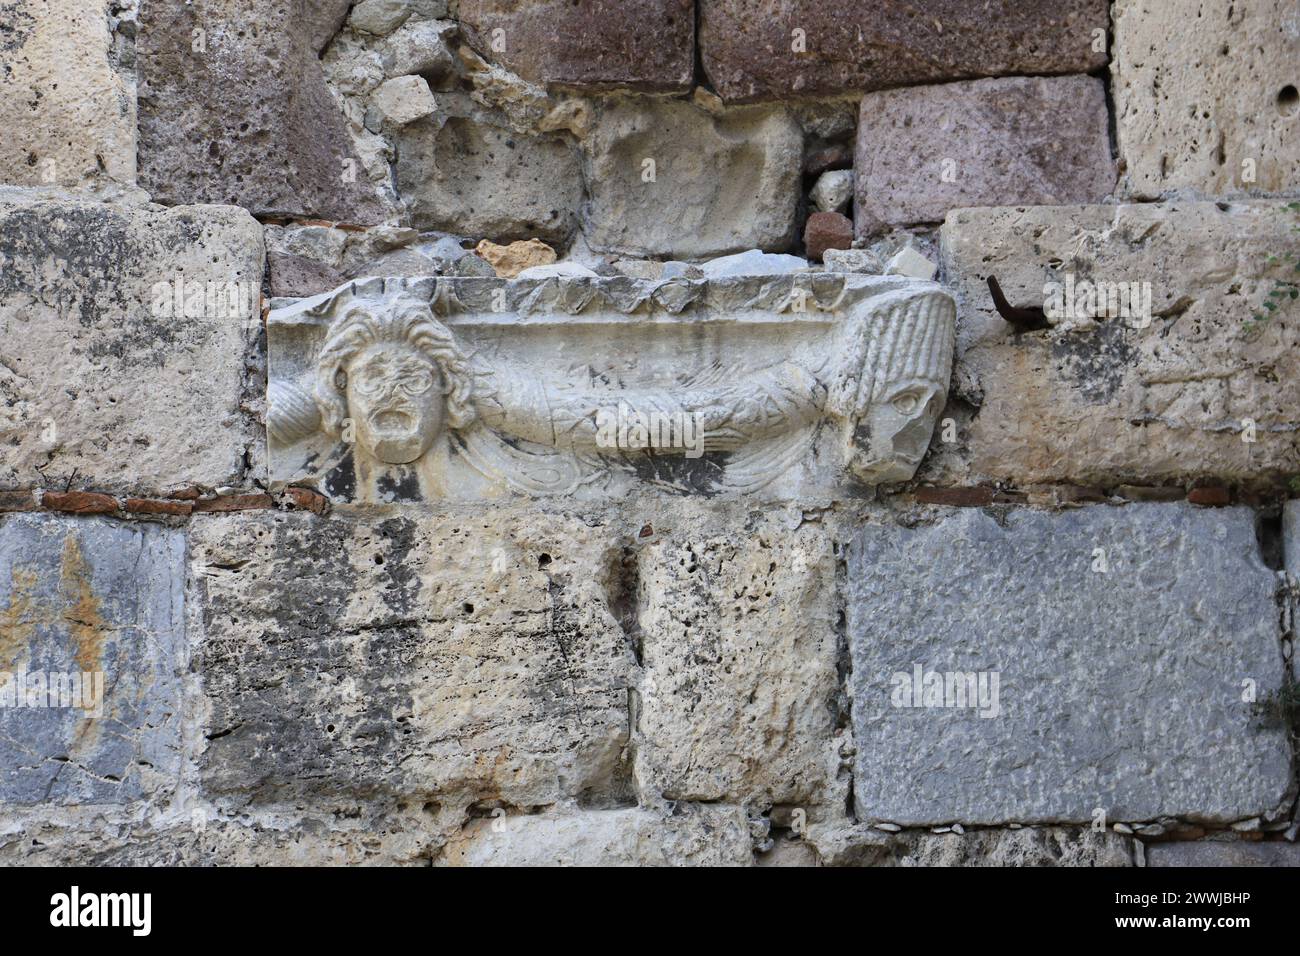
[396, 401]
[391, 390]
[897, 430]
[388, 381]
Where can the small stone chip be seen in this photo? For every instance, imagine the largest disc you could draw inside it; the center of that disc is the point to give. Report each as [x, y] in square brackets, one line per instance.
[509, 261]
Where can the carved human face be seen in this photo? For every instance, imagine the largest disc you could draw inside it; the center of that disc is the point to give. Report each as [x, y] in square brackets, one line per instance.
[396, 400]
[898, 430]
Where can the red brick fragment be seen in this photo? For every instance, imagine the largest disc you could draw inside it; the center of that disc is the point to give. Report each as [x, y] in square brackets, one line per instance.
[79, 502]
[827, 230]
[307, 500]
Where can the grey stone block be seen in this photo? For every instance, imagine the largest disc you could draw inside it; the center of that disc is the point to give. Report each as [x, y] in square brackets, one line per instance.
[1119, 640]
[90, 596]
[1225, 853]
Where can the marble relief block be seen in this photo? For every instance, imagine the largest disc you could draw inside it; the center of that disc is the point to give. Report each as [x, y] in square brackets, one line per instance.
[463, 389]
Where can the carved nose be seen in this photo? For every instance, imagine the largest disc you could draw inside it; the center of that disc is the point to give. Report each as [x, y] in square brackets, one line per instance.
[914, 433]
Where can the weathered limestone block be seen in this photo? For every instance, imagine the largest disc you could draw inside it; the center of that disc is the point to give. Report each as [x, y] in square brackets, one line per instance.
[739, 649]
[402, 100]
[464, 175]
[102, 373]
[379, 17]
[1028, 846]
[641, 44]
[91, 659]
[509, 261]
[1207, 102]
[420, 46]
[1046, 666]
[237, 115]
[693, 835]
[667, 179]
[459, 657]
[1020, 140]
[767, 49]
[842, 844]
[1098, 399]
[392, 838]
[67, 112]
[450, 389]
[1223, 853]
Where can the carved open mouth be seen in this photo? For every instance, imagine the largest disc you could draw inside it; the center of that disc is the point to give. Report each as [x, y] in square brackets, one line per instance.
[391, 421]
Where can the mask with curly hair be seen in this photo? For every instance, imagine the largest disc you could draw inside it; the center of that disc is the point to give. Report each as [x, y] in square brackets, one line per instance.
[398, 376]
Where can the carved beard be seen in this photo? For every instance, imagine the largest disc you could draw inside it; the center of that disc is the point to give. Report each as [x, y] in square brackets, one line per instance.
[396, 402]
[897, 431]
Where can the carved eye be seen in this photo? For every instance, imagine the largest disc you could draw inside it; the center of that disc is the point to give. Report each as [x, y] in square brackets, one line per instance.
[907, 402]
[417, 382]
[368, 383]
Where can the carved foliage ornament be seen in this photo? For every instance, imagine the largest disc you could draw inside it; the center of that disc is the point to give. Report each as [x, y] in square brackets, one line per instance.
[428, 389]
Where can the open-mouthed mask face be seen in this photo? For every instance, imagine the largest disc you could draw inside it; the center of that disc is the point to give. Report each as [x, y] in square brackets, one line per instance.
[396, 400]
[894, 437]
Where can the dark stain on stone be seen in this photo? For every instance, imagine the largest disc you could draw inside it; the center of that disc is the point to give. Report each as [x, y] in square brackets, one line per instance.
[96, 253]
[701, 476]
[401, 592]
[399, 483]
[341, 481]
[1095, 361]
[16, 27]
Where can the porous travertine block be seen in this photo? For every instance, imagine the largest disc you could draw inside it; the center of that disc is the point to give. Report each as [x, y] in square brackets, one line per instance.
[467, 175]
[665, 178]
[1206, 101]
[1098, 399]
[691, 835]
[195, 835]
[66, 108]
[108, 373]
[455, 657]
[739, 649]
[1044, 667]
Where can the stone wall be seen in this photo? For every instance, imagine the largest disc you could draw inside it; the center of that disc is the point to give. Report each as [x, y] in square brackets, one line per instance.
[1063, 636]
